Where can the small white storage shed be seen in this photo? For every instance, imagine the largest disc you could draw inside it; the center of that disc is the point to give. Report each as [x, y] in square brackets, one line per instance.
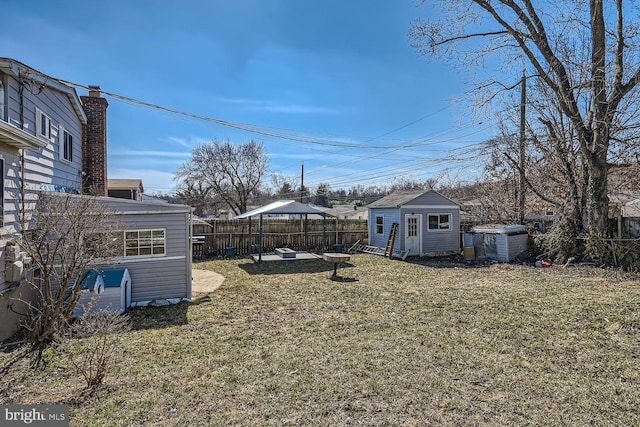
[497, 243]
[104, 291]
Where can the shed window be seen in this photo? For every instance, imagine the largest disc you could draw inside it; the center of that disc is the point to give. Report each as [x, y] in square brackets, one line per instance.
[439, 222]
[144, 243]
[379, 224]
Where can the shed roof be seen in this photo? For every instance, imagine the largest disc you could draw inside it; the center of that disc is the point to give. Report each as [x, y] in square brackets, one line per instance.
[397, 200]
[282, 207]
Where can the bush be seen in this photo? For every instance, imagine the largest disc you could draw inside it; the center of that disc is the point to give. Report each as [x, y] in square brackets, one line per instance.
[613, 253]
[92, 345]
[560, 243]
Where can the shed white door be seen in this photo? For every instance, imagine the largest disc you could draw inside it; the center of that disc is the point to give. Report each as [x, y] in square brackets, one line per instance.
[413, 234]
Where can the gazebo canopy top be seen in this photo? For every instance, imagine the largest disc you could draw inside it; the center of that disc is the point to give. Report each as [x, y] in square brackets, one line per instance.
[282, 207]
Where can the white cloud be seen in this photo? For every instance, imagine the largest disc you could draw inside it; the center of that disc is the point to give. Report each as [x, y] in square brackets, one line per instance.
[188, 142]
[149, 153]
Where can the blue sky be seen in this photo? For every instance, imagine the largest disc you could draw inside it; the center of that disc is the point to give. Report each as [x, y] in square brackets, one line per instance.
[338, 79]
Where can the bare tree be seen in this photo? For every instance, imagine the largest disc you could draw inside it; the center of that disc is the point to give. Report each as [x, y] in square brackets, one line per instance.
[67, 235]
[284, 185]
[578, 52]
[199, 196]
[233, 172]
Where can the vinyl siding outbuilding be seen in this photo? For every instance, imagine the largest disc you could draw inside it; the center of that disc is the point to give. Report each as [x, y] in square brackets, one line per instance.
[428, 222]
[160, 270]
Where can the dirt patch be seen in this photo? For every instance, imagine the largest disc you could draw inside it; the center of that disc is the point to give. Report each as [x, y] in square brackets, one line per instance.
[205, 281]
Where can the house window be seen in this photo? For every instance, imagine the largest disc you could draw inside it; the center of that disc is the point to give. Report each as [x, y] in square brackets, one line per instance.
[66, 145]
[379, 224]
[440, 222]
[43, 124]
[144, 242]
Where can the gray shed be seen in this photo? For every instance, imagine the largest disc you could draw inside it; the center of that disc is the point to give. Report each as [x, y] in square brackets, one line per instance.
[157, 248]
[428, 222]
[498, 243]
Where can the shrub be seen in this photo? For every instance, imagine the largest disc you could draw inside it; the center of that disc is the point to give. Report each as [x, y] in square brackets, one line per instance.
[92, 345]
[560, 243]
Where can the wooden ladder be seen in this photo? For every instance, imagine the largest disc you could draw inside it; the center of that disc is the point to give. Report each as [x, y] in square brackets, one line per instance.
[388, 251]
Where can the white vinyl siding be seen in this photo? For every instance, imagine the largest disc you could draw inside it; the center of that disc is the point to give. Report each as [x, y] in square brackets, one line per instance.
[2, 175]
[46, 168]
[1, 99]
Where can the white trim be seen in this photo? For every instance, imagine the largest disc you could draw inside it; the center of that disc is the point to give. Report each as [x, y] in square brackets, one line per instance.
[4, 183]
[19, 138]
[119, 212]
[439, 230]
[39, 116]
[2, 91]
[418, 230]
[430, 206]
[62, 145]
[375, 224]
[136, 259]
[141, 230]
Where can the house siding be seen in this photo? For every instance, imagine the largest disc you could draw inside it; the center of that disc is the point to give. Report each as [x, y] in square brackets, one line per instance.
[11, 191]
[44, 166]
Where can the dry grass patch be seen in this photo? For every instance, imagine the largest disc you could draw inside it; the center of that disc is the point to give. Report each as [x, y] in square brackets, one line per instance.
[405, 344]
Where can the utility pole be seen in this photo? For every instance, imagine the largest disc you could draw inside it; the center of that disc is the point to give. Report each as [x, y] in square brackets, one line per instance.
[302, 184]
[521, 158]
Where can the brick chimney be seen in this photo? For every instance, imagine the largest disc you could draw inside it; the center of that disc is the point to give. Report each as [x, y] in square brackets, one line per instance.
[94, 143]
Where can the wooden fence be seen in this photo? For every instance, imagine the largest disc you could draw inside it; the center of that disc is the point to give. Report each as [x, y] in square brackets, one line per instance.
[231, 237]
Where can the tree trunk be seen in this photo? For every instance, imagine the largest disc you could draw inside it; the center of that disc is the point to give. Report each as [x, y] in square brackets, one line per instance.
[597, 200]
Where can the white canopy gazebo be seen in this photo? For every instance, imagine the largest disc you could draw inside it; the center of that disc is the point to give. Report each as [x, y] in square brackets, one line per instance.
[284, 207]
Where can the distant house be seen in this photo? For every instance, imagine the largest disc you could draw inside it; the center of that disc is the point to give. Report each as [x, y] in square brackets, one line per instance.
[428, 222]
[130, 189]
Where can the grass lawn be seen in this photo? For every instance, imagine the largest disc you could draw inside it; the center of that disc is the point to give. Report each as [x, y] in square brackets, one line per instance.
[407, 343]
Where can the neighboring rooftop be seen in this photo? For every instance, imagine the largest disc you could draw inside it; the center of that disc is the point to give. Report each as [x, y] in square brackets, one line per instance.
[125, 184]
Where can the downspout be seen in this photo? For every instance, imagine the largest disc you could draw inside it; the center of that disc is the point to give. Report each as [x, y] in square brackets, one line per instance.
[22, 161]
[190, 255]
